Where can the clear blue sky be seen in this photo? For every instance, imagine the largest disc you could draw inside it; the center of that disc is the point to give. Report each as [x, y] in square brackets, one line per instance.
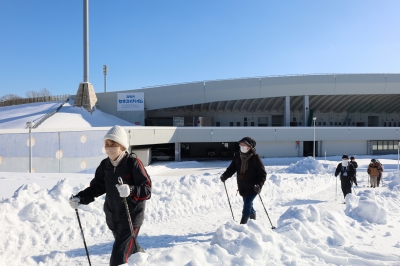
[148, 43]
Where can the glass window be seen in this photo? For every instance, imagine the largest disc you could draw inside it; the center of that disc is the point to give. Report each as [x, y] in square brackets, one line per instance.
[380, 146]
[245, 124]
[391, 145]
[218, 124]
[252, 124]
[385, 146]
[375, 145]
[231, 124]
[238, 124]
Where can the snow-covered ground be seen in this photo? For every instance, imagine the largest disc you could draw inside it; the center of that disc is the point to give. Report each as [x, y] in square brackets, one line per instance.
[188, 220]
[16, 116]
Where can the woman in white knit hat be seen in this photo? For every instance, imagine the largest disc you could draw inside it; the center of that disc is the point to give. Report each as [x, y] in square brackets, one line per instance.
[136, 188]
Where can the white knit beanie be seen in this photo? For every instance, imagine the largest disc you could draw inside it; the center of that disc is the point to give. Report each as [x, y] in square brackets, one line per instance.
[118, 134]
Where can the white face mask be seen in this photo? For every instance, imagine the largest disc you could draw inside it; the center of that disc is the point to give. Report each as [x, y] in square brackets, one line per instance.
[244, 149]
[113, 152]
[345, 163]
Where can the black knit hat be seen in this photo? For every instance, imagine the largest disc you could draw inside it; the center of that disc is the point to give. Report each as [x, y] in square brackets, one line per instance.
[373, 160]
[345, 156]
[248, 141]
[352, 158]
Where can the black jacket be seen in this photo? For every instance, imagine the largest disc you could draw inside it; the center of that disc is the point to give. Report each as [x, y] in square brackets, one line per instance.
[355, 164]
[134, 174]
[255, 173]
[349, 169]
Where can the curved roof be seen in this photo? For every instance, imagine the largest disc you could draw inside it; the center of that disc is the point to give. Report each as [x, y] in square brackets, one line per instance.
[351, 92]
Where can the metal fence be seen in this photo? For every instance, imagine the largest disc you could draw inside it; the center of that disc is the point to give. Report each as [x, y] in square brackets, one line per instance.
[54, 98]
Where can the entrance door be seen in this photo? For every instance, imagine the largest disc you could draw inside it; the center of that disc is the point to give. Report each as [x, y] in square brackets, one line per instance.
[308, 148]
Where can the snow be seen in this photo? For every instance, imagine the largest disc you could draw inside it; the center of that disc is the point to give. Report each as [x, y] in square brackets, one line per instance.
[16, 116]
[188, 220]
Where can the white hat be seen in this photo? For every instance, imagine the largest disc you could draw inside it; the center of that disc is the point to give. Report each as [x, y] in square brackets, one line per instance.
[118, 134]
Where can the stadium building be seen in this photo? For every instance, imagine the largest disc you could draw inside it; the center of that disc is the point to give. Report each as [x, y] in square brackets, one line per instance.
[354, 114]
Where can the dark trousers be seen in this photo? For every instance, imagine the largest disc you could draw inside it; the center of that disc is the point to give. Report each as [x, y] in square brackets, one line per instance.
[248, 204]
[124, 246]
[346, 185]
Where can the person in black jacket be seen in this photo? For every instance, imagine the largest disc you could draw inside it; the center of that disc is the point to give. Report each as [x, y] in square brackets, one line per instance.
[346, 171]
[251, 176]
[136, 188]
[355, 165]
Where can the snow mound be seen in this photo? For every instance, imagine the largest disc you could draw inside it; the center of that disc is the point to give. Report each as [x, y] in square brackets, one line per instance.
[394, 180]
[365, 207]
[306, 166]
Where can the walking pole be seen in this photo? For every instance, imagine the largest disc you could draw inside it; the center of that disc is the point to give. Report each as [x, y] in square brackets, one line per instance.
[336, 187]
[272, 227]
[83, 237]
[229, 201]
[127, 210]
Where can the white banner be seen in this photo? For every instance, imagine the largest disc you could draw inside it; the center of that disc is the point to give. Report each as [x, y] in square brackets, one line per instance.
[130, 101]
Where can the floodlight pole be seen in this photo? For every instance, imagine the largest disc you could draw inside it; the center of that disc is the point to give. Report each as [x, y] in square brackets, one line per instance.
[314, 118]
[86, 41]
[30, 125]
[105, 72]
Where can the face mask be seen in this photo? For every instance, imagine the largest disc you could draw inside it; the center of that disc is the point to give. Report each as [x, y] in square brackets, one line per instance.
[244, 149]
[113, 152]
[345, 163]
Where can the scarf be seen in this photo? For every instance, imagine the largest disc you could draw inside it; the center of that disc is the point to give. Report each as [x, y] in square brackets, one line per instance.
[245, 159]
[119, 158]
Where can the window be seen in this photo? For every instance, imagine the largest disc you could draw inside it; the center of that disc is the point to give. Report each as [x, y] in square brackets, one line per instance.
[245, 124]
[335, 123]
[385, 145]
[391, 145]
[218, 124]
[380, 146]
[294, 119]
[238, 124]
[324, 123]
[319, 123]
[340, 123]
[353, 123]
[375, 145]
[245, 119]
[231, 124]
[331, 123]
[384, 124]
[389, 124]
[252, 124]
[300, 123]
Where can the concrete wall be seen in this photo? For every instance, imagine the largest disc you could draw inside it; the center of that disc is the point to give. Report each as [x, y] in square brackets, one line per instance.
[61, 150]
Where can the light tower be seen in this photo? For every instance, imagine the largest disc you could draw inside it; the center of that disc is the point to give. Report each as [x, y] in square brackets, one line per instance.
[85, 95]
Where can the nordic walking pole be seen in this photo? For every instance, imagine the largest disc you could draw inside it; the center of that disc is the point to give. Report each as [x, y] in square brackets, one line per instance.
[83, 237]
[229, 201]
[127, 210]
[336, 187]
[272, 227]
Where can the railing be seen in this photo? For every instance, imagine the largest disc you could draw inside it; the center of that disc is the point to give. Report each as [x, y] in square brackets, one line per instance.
[43, 118]
[54, 98]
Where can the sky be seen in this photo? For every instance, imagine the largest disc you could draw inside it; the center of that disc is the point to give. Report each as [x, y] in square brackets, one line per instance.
[151, 43]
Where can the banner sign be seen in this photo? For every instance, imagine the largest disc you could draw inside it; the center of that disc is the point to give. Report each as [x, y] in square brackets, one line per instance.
[130, 101]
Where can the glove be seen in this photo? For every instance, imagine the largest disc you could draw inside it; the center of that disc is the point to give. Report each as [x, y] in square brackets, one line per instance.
[257, 189]
[124, 190]
[74, 202]
[223, 178]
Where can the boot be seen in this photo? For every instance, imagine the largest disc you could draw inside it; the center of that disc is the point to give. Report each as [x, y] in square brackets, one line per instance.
[253, 216]
[244, 220]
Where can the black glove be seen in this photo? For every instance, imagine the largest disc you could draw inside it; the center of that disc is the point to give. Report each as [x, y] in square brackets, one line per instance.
[223, 178]
[257, 189]
[356, 184]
